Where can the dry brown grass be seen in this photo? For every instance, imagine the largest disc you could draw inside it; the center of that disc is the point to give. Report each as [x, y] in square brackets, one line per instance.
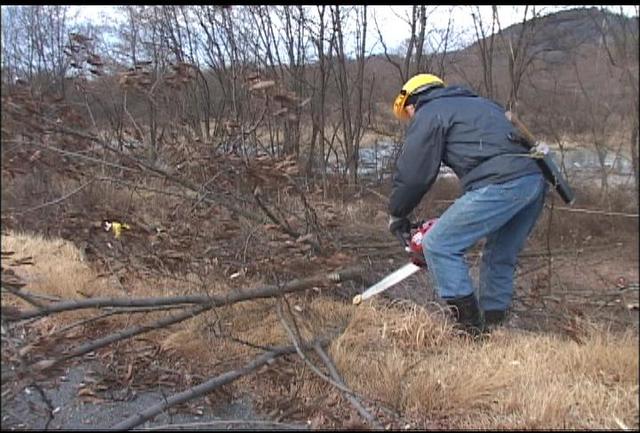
[401, 354]
[59, 268]
[205, 340]
[59, 271]
[407, 359]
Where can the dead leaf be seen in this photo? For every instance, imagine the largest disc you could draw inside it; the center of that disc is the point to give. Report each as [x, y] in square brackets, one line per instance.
[26, 349]
[85, 391]
[262, 85]
[305, 238]
[354, 423]
[317, 421]
[305, 102]
[23, 261]
[129, 375]
[43, 365]
[280, 111]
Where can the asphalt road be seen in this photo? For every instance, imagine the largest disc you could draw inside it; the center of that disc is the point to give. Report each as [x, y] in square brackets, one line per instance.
[28, 410]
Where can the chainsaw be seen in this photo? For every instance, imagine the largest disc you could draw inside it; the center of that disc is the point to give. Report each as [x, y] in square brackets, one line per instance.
[417, 262]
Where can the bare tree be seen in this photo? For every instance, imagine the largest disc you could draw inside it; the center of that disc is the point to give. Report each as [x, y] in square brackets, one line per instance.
[619, 36]
[33, 45]
[319, 88]
[485, 39]
[598, 124]
[519, 51]
[294, 38]
[352, 116]
[415, 59]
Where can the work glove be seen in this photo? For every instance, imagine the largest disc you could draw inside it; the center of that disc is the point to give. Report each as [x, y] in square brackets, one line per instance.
[417, 259]
[400, 227]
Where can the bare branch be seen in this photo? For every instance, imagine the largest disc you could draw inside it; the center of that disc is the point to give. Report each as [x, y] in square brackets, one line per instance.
[208, 301]
[56, 201]
[206, 387]
[355, 402]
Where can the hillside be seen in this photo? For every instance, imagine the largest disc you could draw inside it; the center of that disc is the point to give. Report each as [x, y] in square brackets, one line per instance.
[561, 93]
[573, 28]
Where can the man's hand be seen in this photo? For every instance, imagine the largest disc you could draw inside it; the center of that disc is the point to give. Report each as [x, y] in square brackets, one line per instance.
[400, 228]
[417, 259]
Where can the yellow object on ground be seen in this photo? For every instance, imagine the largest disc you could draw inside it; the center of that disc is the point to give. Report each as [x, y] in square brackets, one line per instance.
[118, 227]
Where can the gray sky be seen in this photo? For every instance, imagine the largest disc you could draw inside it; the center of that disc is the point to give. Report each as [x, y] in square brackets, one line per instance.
[392, 20]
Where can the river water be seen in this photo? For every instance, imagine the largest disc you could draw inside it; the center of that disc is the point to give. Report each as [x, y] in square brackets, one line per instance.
[580, 163]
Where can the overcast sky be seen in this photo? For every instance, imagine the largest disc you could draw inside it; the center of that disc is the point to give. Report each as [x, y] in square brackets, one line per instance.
[392, 20]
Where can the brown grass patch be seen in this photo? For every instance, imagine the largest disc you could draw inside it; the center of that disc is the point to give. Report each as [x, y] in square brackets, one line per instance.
[514, 380]
[59, 271]
[215, 337]
[59, 268]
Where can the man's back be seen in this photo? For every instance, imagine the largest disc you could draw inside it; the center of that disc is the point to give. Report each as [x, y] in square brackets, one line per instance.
[477, 145]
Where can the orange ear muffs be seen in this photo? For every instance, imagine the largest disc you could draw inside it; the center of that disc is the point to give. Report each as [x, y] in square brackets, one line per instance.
[398, 106]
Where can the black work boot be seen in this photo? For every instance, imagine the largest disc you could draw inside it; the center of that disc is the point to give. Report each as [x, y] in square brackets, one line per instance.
[468, 315]
[494, 318]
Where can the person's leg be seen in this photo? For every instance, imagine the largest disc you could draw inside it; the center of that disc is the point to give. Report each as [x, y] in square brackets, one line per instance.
[499, 259]
[473, 216]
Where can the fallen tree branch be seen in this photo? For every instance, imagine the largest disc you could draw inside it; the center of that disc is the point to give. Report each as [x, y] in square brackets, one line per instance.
[38, 295]
[206, 387]
[210, 301]
[297, 344]
[113, 313]
[282, 224]
[56, 201]
[47, 402]
[355, 402]
[335, 380]
[25, 296]
[131, 332]
[216, 198]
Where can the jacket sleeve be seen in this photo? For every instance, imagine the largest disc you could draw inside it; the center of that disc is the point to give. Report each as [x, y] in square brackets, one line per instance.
[418, 164]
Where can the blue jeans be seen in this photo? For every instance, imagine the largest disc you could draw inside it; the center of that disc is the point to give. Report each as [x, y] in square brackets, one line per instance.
[503, 213]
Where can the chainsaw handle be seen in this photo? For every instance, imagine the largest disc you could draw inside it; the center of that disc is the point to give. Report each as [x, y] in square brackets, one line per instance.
[416, 225]
[404, 241]
[405, 238]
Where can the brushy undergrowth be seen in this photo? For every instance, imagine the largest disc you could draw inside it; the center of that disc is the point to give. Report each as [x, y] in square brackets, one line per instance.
[402, 355]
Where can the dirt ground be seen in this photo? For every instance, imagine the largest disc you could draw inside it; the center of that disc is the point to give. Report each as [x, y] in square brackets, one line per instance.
[66, 402]
[597, 279]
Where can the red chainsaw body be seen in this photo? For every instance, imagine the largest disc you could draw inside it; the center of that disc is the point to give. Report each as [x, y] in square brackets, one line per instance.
[415, 245]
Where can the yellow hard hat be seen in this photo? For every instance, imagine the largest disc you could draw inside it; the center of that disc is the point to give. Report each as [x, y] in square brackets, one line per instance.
[417, 83]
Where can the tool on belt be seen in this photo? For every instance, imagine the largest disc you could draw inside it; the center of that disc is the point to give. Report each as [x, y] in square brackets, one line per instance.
[417, 262]
[544, 159]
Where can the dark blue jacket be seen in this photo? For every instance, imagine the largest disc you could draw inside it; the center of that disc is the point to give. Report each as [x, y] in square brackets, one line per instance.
[469, 133]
